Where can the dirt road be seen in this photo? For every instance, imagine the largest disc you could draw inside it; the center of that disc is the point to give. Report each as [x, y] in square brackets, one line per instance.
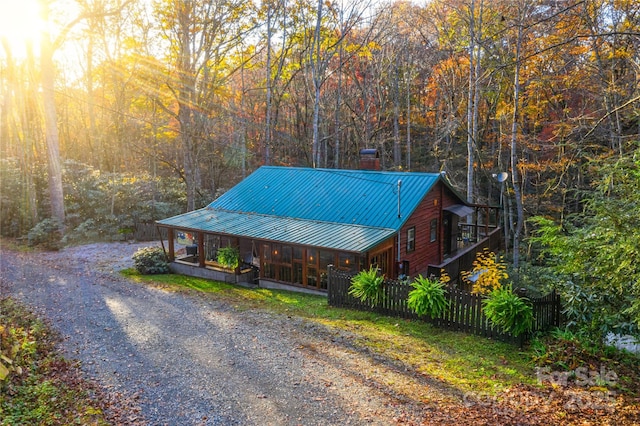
[186, 360]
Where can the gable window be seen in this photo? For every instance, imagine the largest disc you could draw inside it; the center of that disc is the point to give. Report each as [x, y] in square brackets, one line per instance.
[411, 239]
[434, 230]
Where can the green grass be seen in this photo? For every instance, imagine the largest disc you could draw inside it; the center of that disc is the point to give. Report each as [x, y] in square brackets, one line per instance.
[462, 362]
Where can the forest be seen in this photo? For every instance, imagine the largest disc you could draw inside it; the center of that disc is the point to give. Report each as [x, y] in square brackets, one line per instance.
[117, 112]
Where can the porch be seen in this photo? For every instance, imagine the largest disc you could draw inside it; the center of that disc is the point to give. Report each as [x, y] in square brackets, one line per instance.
[472, 239]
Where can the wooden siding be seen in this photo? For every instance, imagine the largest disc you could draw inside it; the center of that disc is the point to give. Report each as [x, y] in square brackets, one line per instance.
[426, 252]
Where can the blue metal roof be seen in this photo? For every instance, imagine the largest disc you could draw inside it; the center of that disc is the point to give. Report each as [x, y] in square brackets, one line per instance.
[361, 197]
[335, 236]
[350, 210]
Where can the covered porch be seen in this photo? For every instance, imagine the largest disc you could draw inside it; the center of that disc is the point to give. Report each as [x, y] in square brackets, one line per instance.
[467, 231]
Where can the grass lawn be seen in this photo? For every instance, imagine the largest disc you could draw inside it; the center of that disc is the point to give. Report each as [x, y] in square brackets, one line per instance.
[463, 362]
[38, 387]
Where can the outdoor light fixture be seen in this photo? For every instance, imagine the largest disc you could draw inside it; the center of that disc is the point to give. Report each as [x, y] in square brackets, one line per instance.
[500, 177]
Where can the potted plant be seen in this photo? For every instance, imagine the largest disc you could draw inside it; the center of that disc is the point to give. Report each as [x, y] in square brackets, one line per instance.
[228, 257]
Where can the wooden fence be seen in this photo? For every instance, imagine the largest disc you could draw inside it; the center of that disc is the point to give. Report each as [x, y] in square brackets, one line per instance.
[147, 231]
[464, 314]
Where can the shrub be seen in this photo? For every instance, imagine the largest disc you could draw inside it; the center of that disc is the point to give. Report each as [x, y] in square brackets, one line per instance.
[151, 260]
[488, 271]
[428, 297]
[368, 286]
[46, 234]
[508, 311]
[229, 257]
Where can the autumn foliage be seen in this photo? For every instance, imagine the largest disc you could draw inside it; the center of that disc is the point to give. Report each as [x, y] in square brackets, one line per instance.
[488, 274]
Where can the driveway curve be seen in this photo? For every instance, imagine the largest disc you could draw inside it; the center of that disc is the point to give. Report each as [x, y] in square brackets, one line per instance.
[189, 360]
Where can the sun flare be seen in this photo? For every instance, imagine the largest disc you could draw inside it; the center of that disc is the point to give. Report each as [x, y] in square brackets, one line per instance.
[20, 24]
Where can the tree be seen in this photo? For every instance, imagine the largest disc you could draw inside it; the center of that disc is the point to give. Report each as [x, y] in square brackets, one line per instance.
[200, 36]
[56, 195]
[596, 252]
[515, 176]
[329, 33]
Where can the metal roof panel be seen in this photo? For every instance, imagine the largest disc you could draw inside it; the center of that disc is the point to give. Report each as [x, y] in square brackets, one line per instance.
[359, 197]
[354, 238]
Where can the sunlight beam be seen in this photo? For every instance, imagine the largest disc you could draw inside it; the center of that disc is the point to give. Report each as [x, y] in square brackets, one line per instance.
[20, 25]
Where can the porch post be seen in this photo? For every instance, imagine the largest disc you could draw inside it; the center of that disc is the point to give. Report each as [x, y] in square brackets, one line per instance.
[476, 233]
[201, 249]
[172, 253]
[486, 221]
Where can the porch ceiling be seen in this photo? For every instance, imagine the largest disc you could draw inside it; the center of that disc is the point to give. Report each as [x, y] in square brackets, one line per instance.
[460, 210]
[336, 236]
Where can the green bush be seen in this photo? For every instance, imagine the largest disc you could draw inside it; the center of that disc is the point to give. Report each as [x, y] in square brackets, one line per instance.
[508, 311]
[428, 297]
[229, 257]
[368, 286]
[46, 234]
[151, 261]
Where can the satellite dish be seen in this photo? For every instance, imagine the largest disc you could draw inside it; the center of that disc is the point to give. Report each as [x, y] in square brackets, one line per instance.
[501, 177]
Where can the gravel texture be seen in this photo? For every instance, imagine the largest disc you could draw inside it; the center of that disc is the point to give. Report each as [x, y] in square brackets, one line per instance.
[180, 359]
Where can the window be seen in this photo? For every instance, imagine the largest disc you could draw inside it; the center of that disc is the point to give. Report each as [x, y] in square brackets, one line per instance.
[411, 239]
[347, 262]
[434, 230]
[380, 260]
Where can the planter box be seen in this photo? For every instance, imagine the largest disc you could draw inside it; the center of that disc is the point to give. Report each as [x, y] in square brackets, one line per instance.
[243, 277]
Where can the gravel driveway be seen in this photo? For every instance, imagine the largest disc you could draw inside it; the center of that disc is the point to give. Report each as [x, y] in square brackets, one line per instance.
[181, 359]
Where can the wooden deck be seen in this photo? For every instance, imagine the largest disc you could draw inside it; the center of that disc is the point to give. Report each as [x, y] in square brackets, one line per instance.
[462, 259]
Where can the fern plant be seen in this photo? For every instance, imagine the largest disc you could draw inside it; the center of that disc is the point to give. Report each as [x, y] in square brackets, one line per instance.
[508, 311]
[229, 257]
[428, 297]
[368, 286]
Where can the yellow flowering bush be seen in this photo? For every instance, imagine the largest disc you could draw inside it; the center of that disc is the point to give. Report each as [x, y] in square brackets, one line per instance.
[488, 273]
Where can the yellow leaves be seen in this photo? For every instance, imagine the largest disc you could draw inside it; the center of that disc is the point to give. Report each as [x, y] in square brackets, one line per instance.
[444, 277]
[488, 273]
[4, 371]
[8, 351]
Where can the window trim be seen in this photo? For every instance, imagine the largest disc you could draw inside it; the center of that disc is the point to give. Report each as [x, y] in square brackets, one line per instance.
[433, 229]
[411, 239]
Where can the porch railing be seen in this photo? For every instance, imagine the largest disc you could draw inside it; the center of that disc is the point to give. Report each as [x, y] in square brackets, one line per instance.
[462, 260]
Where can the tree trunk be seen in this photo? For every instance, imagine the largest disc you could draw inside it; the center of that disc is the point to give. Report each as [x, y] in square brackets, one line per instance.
[397, 161]
[470, 102]
[51, 126]
[515, 180]
[317, 80]
[267, 130]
